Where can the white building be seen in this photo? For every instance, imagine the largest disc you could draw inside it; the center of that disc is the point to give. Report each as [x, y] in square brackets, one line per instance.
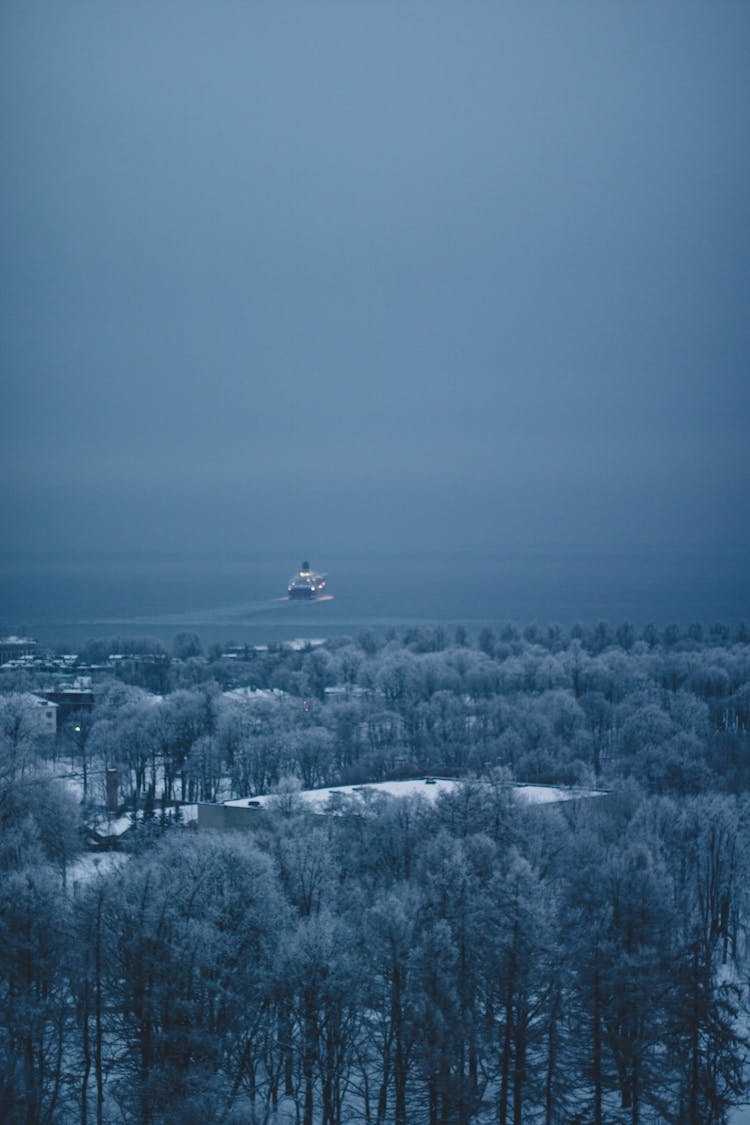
[44, 713]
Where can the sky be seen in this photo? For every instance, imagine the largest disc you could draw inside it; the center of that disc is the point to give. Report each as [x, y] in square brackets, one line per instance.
[394, 275]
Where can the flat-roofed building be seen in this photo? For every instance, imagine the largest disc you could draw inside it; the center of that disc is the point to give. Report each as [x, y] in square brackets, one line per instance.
[339, 800]
[13, 648]
[78, 696]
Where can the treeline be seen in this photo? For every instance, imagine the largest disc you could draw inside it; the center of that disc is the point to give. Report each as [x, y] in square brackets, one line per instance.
[675, 717]
[468, 962]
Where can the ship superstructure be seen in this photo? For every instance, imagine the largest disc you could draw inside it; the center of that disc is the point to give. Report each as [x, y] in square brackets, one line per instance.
[306, 583]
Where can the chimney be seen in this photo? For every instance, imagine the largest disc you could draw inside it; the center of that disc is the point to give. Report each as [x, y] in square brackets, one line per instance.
[112, 790]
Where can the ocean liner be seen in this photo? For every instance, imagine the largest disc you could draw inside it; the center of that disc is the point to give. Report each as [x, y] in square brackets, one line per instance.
[306, 583]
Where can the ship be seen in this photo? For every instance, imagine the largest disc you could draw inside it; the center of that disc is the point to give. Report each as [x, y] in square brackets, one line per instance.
[306, 583]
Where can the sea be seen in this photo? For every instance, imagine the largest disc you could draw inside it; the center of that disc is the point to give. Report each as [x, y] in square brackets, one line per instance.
[63, 599]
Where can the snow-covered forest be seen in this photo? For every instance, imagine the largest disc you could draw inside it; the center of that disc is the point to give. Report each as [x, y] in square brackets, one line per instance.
[466, 960]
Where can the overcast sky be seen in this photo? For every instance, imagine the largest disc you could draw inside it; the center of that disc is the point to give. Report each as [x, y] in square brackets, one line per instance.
[399, 275]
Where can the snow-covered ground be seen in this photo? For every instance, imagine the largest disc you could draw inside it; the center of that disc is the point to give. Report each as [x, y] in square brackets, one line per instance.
[93, 865]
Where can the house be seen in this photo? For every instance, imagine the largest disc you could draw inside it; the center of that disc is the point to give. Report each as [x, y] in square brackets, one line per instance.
[69, 698]
[13, 648]
[47, 714]
[108, 833]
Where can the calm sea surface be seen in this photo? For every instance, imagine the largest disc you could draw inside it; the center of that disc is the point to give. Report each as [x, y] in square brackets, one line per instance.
[61, 600]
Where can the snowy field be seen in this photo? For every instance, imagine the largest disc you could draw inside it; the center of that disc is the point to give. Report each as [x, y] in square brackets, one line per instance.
[93, 865]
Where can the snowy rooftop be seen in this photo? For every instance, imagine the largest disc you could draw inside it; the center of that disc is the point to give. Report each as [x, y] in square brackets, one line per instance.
[428, 787]
[549, 794]
[299, 644]
[39, 700]
[114, 826]
[317, 799]
[254, 694]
